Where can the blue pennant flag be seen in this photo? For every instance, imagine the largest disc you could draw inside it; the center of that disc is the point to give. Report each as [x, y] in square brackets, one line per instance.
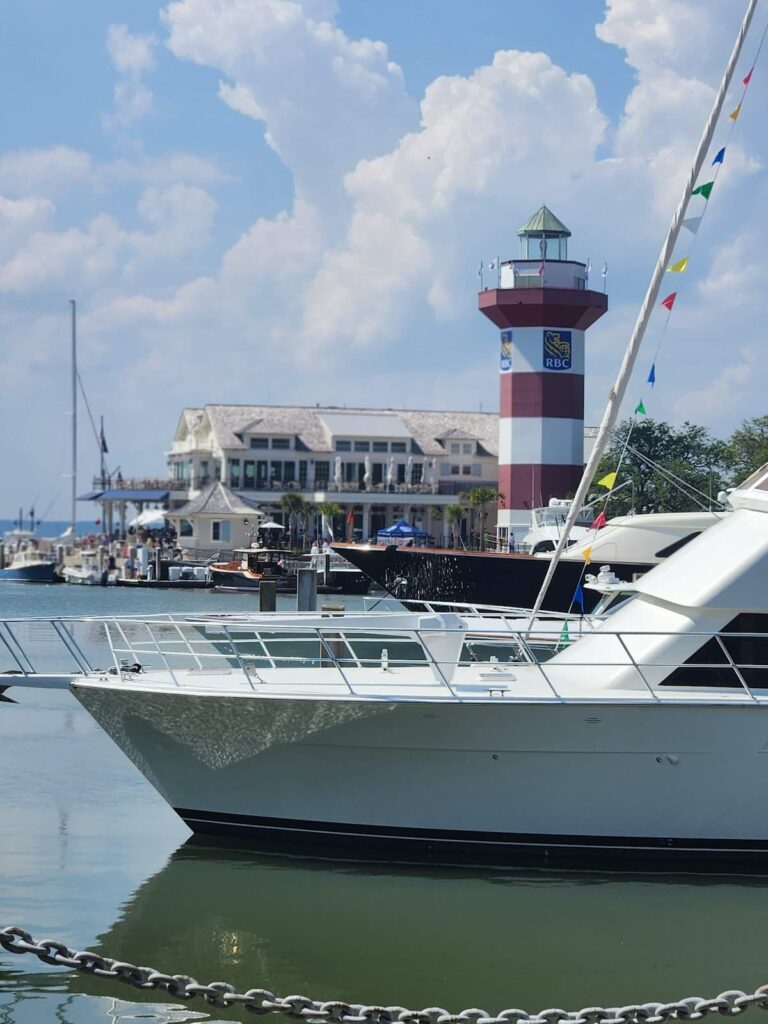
[578, 597]
[652, 375]
[720, 157]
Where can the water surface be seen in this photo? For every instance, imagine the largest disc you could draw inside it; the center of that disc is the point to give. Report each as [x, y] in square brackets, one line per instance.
[90, 854]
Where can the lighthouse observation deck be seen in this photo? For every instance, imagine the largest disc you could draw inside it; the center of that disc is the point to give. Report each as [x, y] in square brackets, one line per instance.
[547, 274]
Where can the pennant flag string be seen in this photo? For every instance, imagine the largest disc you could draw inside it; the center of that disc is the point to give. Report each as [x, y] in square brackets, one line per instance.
[720, 157]
[693, 224]
[640, 409]
[747, 78]
[679, 267]
[608, 480]
[652, 375]
[669, 302]
[704, 190]
[734, 114]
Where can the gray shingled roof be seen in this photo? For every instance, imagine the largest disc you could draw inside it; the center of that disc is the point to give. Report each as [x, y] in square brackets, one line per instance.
[216, 500]
[544, 220]
[305, 422]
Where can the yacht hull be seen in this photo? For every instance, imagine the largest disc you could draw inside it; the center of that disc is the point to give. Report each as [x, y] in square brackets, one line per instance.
[514, 781]
[477, 577]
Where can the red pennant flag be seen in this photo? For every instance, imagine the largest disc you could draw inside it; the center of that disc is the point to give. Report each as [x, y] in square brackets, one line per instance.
[669, 302]
[748, 78]
[599, 521]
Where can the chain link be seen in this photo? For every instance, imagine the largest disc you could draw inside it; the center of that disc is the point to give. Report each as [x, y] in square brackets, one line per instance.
[262, 1001]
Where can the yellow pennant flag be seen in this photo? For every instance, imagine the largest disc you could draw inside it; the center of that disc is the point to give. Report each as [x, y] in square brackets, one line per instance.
[679, 267]
[734, 114]
[587, 555]
[608, 480]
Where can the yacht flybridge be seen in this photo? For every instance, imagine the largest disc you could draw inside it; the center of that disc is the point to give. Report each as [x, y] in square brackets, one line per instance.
[464, 734]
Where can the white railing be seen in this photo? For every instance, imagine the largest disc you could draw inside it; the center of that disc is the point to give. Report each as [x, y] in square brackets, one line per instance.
[255, 647]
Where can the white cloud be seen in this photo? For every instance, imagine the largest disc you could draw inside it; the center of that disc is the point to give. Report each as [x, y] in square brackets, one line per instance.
[30, 171]
[132, 57]
[21, 217]
[327, 100]
[180, 218]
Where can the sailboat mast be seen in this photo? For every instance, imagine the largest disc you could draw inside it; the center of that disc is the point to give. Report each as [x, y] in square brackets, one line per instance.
[74, 418]
[616, 394]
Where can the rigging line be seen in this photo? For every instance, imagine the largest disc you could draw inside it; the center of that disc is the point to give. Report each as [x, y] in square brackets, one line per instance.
[96, 433]
[619, 388]
[673, 478]
[715, 176]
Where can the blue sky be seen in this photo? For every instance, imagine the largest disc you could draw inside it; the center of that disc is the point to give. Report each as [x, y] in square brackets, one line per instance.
[287, 200]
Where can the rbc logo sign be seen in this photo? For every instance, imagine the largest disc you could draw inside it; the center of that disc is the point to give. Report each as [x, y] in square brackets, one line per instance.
[558, 350]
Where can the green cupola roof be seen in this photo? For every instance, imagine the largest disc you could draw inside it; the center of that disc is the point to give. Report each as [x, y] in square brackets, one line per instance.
[544, 222]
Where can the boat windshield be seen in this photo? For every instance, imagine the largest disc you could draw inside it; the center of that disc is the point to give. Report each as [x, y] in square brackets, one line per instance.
[609, 603]
[556, 517]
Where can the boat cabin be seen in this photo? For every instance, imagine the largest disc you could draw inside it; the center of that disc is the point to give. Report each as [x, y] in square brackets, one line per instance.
[257, 561]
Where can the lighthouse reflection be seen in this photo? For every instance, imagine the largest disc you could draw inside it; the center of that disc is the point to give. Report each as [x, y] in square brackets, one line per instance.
[421, 937]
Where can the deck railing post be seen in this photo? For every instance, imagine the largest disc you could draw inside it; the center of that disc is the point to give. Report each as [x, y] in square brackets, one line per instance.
[331, 654]
[637, 667]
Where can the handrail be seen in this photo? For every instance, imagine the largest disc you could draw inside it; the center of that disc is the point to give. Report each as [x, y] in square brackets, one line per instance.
[349, 645]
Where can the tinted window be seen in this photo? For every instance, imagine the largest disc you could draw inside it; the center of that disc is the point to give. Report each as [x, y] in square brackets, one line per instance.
[676, 545]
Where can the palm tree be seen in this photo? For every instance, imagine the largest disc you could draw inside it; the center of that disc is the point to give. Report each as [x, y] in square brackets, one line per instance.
[479, 498]
[328, 509]
[296, 508]
[454, 515]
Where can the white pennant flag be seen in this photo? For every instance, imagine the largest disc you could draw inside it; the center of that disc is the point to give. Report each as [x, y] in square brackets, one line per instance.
[693, 224]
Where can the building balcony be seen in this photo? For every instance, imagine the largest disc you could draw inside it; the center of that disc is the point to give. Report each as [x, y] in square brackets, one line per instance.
[134, 483]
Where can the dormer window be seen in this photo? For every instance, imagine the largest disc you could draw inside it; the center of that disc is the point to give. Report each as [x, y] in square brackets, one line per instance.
[281, 443]
[259, 442]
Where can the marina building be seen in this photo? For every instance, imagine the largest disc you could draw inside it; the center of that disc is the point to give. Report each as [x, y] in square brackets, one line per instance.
[376, 465]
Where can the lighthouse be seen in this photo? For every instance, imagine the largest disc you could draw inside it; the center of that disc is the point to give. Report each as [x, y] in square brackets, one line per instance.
[542, 305]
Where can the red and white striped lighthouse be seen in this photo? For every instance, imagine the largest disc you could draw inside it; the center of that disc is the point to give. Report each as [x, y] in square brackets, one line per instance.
[542, 305]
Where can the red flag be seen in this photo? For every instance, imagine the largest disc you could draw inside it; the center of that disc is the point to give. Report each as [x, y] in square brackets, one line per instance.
[541, 269]
[669, 302]
[351, 516]
[746, 80]
[599, 521]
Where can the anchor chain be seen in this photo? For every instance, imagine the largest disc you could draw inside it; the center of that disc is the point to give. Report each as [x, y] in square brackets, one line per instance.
[262, 1001]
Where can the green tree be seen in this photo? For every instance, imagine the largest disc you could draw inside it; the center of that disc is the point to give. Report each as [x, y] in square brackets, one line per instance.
[296, 508]
[688, 453]
[747, 449]
[329, 509]
[478, 499]
[454, 515]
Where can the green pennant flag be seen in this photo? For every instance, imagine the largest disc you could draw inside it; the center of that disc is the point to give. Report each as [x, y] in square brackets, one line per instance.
[640, 410]
[704, 190]
[565, 636]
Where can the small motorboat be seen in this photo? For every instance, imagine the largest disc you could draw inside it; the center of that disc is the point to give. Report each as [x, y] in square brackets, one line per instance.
[30, 566]
[249, 566]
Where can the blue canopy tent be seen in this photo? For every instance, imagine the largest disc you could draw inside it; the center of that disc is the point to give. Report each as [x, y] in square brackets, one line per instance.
[402, 532]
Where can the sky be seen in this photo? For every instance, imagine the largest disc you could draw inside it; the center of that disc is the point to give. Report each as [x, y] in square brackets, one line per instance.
[287, 201]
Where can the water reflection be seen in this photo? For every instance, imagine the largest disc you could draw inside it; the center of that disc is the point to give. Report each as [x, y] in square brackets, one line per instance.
[453, 938]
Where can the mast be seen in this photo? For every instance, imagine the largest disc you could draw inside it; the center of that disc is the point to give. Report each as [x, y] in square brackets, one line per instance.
[74, 418]
[616, 394]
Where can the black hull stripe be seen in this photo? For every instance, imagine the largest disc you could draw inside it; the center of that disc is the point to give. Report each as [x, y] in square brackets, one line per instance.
[341, 833]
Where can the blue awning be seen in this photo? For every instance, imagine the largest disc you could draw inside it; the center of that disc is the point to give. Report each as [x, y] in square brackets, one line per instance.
[402, 528]
[128, 494]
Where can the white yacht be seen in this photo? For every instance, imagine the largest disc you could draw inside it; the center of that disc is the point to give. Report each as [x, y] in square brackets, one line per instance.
[645, 737]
